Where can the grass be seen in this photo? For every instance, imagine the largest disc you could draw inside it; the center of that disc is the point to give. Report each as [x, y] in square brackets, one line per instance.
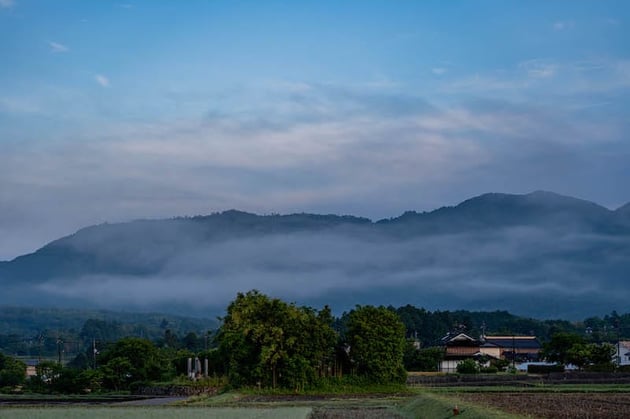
[409, 402]
[334, 389]
[414, 404]
[154, 412]
[434, 406]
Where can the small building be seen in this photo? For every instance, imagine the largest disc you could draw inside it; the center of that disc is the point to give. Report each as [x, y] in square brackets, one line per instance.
[460, 346]
[31, 367]
[622, 352]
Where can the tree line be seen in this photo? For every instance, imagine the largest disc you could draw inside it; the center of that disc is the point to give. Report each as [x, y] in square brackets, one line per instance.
[268, 343]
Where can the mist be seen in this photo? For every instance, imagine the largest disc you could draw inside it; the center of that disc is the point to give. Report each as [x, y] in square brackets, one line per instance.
[506, 268]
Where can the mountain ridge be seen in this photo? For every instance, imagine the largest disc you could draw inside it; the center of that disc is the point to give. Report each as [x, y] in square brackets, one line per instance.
[475, 253]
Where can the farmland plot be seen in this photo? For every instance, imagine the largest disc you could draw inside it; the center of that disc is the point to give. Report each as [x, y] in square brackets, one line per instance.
[556, 405]
[155, 413]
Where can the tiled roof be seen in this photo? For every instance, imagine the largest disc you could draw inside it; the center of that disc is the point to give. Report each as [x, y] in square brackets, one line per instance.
[520, 342]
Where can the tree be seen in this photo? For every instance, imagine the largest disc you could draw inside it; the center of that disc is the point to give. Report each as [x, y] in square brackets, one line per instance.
[426, 359]
[268, 342]
[117, 373]
[377, 344]
[557, 349]
[578, 355]
[136, 359]
[602, 355]
[12, 371]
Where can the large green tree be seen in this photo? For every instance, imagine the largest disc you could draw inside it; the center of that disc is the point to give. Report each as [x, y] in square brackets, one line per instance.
[376, 337]
[268, 342]
[558, 349]
[133, 360]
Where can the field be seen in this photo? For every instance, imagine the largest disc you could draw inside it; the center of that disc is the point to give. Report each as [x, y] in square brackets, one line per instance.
[498, 402]
[154, 412]
[556, 405]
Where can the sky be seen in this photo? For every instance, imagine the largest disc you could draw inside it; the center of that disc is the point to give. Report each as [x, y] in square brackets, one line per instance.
[113, 111]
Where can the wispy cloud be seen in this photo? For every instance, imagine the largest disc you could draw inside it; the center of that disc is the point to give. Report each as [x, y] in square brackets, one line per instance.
[17, 105]
[538, 69]
[102, 80]
[562, 25]
[56, 47]
[438, 71]
[6, 3]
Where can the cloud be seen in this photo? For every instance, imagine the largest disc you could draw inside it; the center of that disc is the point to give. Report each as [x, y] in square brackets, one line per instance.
[443, 270]
[314, 148]
[438, 71]
[18, 105]
[538, 69]
[562, 25]
[57, 47]
[102, 80]
[7, 3]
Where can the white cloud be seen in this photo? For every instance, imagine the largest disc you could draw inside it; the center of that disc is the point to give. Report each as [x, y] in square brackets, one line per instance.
[538, 69]
[57, 47]
[562, 25]
[102, 80]
[18, 105]
[438, 71]
[6, 3]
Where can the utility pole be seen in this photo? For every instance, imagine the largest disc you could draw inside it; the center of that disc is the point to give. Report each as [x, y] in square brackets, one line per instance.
[40, 341]
[513, 353]
[59, 349]
[94, 352]
[618, 342]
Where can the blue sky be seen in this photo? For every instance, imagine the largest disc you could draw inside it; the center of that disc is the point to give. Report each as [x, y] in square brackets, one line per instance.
[112, 111]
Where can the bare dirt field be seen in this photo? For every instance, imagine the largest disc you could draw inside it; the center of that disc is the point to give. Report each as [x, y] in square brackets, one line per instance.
[557, 405]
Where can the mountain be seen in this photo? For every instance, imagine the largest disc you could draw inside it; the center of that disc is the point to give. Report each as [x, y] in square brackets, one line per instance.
[624, 210]
[539, 254]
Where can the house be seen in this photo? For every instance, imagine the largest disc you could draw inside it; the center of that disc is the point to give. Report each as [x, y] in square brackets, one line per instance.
[31, 367]
[622, 352]
[460, 346]
[517, 348]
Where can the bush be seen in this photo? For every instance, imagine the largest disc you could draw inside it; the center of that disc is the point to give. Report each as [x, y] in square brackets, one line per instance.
[489, 370]
[609, 367]
[544, 369]
[468, 366]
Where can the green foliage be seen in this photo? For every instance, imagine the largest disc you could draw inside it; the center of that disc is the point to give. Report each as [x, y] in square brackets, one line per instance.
[12, 371]
[377, 344]
[425, 359]
[429, 327]
[557, 349]
[267, 342]
[133, 359]
[468, 366]
[566, 348]
[500, 364]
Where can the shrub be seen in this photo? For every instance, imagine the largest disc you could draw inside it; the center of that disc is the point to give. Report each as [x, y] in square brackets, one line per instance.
[468, 366]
